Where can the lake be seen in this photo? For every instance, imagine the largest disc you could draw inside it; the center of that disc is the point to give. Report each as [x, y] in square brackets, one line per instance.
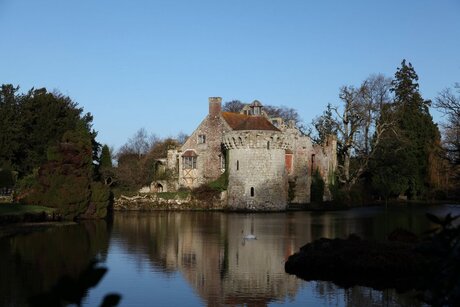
[201, 258]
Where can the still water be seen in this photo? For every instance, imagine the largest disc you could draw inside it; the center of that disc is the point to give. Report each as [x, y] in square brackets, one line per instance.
[200, 258]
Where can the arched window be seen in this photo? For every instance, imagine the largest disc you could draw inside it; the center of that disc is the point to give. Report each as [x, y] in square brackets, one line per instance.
[252, 191]
[237, 165]
[268, 145]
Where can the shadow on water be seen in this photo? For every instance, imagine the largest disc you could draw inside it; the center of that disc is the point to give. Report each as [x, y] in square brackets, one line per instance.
[35, 263]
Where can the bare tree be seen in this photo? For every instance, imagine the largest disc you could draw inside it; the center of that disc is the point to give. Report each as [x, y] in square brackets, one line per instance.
[234, 106]
[182, 137]
[360, 124]
[449, 104]
[139, 144]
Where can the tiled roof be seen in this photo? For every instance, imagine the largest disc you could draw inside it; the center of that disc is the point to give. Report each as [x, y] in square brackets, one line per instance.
[189, 153]
[247, 122]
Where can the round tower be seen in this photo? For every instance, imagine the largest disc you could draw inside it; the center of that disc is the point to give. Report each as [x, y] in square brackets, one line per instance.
[256, 168]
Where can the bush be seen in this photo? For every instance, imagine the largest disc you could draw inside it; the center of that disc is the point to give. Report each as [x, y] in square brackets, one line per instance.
[317, 187]
[6, 179]
[205, 193]
[173, 195]
[221, 183]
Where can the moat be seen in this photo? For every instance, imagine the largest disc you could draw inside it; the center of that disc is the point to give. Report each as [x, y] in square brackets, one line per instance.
[201, 258]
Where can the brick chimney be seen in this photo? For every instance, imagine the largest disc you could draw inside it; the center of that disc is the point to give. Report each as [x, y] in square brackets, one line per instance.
[215, 106]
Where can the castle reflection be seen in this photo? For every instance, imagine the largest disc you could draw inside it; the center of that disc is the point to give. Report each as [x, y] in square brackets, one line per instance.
[225, 268]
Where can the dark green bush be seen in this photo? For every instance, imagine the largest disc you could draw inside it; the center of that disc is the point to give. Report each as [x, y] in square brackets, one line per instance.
[317, 187]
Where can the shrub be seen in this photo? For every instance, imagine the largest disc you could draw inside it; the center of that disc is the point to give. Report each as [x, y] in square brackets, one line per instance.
[317, 187]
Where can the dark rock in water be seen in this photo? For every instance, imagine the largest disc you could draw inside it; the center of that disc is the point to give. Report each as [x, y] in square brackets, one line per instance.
[402, 235]
[352, 261]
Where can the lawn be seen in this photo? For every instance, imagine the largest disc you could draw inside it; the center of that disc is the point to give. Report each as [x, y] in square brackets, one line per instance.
[17, 209]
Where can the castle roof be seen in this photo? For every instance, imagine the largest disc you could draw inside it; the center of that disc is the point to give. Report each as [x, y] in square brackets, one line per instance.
[247, 122]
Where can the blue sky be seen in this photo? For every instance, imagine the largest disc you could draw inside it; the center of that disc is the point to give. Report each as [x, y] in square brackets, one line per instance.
[153, 64]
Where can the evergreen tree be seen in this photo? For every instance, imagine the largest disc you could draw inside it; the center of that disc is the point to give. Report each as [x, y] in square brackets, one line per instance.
[10, 126]
[325, 125]
[106, 158]
[30, 123]
[412, 144]
[105, 168]
[65, 181]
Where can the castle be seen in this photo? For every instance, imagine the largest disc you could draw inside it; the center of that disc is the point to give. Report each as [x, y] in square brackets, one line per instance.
[269, 163]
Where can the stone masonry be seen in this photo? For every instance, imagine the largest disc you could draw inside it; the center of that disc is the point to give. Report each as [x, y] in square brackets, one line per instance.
[270, 163]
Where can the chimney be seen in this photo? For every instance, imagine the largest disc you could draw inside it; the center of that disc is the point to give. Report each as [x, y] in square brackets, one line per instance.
[215, 106]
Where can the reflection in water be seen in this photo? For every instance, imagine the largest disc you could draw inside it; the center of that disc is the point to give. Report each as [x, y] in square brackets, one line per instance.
[33, 263]
[200, 258]
[223, 268]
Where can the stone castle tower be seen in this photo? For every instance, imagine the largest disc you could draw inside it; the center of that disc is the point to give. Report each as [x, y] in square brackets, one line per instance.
[269, 163]
[257, 178]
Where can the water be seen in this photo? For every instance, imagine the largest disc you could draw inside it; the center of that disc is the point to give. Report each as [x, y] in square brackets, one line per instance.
[200, 258]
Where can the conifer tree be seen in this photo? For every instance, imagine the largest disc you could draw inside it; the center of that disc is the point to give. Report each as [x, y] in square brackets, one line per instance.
[414, 142]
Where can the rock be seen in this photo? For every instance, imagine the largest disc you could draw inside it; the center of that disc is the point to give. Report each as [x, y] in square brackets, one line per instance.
[353, 261]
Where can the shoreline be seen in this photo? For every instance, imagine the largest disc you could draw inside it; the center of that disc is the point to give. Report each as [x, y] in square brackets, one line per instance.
[8, 230]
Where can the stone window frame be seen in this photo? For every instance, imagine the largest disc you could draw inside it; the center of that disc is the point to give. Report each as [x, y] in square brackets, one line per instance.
[189, 162]
[202, 139]
[253, 192]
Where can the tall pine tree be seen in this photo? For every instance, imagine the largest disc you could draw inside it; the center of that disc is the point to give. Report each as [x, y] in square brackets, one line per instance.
[414, 143]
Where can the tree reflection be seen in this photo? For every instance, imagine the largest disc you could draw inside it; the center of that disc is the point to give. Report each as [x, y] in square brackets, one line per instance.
[33, 263]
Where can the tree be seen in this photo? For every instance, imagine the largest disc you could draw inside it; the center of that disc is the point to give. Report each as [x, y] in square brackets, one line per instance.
[449, 105]
[32, 122]
[65, 181]
[325, 125]
[414, 139]
[10, 125]
[234, 106]
[359, 124]
[136, 159]
[286, 113]
[105, 167]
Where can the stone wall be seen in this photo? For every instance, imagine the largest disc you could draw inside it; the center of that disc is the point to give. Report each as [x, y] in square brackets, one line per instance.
[154, 202]
[300, 176]
[209, 153]
[257, 176]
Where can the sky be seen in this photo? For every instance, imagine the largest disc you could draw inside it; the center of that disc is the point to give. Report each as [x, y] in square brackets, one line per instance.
[153, 63]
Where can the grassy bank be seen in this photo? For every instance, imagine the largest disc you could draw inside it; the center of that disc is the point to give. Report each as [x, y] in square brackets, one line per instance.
[17, 209]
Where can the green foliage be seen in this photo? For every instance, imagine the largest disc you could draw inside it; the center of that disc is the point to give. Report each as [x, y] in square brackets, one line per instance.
[7, 179]
[65, 181]
[105, 161]
[221, 183]
[317, 187]
[18, 209]
[401, 164]
[33, 122]
[325, 125]
[101, 196]
[205, 193]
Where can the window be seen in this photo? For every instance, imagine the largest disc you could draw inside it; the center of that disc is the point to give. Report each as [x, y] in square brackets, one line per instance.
[312, 163]
[252, 191]
[201, 139]
[237, 165]
[222, 163]
[189, 162]
[268, 145]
